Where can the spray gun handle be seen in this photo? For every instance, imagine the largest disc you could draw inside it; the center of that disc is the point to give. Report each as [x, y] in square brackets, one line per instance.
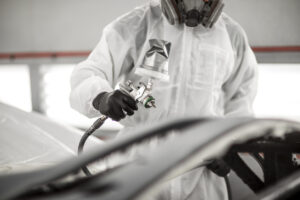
[99, 122]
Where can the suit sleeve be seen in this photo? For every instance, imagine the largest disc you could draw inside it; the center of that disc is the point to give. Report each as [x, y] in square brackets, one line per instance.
[100, 71]
[241, 88]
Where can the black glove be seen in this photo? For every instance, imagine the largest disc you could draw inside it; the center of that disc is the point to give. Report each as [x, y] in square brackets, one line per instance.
[219, 167]
[113, 104]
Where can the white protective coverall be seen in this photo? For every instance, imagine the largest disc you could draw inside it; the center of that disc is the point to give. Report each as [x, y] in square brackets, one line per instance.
[213, 72]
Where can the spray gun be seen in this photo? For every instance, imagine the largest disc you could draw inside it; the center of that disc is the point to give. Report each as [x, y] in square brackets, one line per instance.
[155, 67]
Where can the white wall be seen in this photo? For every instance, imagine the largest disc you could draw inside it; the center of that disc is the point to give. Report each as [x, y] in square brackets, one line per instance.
[56, 25]
[268, 22]
[63, 25]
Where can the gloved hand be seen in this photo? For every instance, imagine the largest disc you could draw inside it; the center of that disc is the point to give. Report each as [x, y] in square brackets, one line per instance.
[219, 167]
[113, 104]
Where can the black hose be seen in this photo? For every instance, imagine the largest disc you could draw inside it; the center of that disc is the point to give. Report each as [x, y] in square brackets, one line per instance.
[229, 192]
[97, 124]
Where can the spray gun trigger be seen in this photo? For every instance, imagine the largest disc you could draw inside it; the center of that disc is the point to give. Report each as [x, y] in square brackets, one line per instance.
[153, 104]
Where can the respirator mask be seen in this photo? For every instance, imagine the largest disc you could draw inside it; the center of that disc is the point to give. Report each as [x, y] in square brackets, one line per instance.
[192, 12]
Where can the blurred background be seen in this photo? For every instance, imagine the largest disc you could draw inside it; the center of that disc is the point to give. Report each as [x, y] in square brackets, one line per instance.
[41, 41]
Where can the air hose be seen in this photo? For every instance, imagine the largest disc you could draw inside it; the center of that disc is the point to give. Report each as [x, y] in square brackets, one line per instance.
[141, 94]
[97, 124]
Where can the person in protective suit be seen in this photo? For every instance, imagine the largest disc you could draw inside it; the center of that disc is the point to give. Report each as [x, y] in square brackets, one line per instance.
[212, 69]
